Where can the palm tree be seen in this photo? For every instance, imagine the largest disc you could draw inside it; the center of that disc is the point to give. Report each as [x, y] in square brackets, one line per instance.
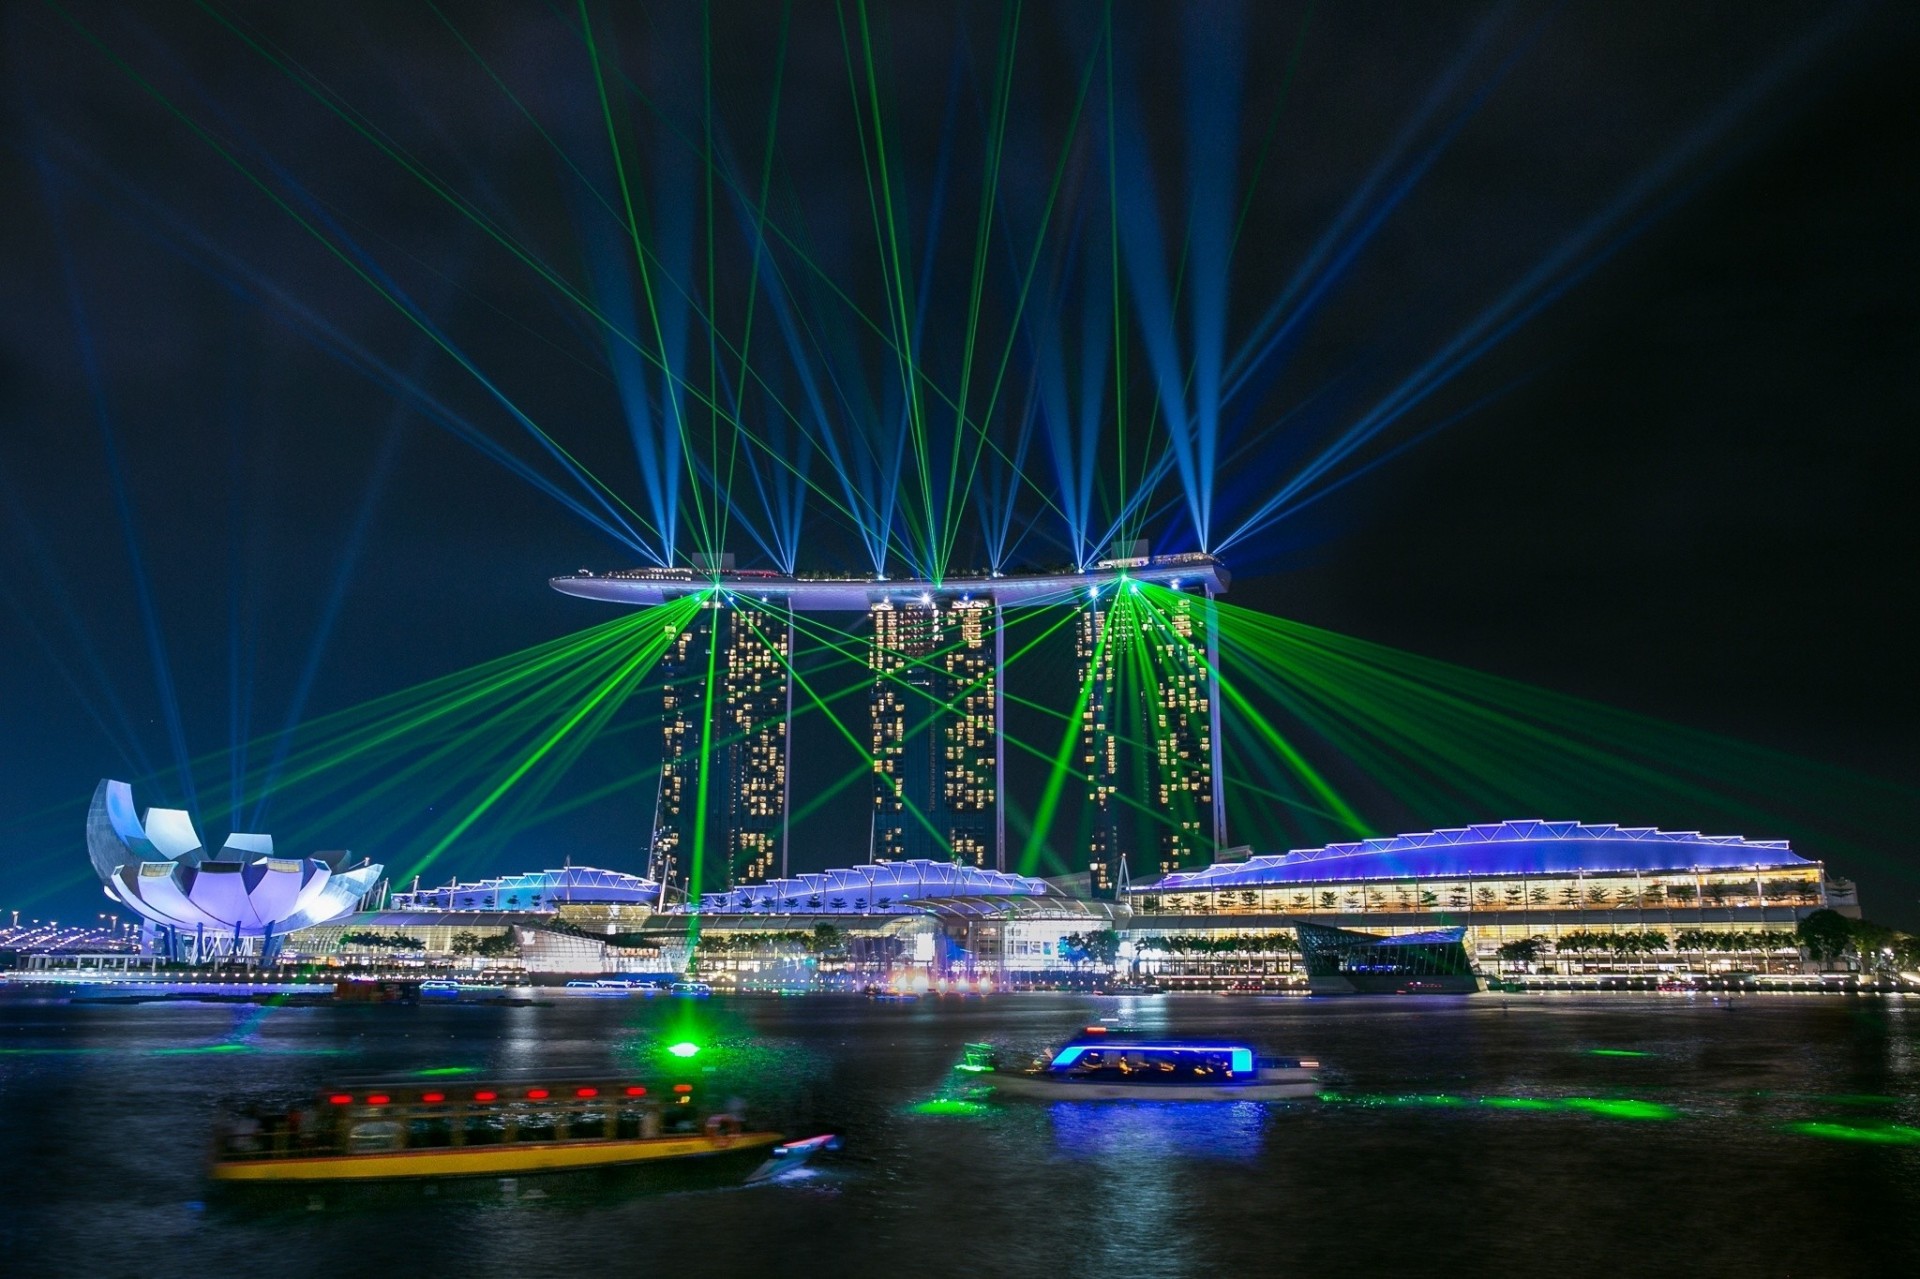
[1524, 951]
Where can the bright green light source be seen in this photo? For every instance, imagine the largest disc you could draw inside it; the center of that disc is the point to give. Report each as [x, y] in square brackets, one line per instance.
[949, 1106]
[1887, 1135]
[435, 1071]
[973, 1069]
[683, 1048]
[1622, 1109]
[1518, 1103]
[1615, 1052]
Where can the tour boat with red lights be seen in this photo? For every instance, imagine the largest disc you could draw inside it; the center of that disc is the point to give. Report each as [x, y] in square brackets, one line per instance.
[409, 1131]
[1101, 1065]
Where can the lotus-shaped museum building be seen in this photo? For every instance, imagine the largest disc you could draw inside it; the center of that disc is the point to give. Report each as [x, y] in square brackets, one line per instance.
[161, 869]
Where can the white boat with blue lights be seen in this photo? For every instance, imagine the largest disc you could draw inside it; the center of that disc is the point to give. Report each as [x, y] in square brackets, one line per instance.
[1117, 1067]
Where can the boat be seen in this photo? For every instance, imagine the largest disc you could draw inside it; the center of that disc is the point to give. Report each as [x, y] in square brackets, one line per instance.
[691, 989]
[1102, 1066]
[409, 1131]
[1129, 988]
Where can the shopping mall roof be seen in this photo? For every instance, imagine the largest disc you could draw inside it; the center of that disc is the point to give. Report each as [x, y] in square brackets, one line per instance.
[649, 586]
[879, 887]
[568, 884]
[1527, 847]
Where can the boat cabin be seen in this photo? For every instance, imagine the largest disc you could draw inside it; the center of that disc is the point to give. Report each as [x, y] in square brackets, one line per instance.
[388, 1117]
[1109, 1057]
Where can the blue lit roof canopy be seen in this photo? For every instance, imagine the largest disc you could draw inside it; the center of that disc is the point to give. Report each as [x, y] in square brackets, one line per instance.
[882, 887]
[1526, 847]
[536, 890]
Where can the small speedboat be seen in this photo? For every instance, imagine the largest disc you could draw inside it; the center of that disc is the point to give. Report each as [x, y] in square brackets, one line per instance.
[1109, 1067]
[690, 990]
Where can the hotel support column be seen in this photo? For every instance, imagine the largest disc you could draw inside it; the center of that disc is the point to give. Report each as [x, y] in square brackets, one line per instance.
[1213, 719]
[999, 735]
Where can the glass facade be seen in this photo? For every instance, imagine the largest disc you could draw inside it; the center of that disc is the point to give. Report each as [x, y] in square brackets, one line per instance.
[683, 712]
[756, 708]
[1628, 893]
[1592, 922]
[1147, 731]
[934, 740]
[750, 705]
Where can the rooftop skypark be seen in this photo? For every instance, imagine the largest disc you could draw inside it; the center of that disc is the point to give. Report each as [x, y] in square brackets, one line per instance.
[644, 587]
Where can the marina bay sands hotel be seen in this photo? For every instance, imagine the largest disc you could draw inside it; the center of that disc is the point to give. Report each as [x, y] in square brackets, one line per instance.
[937, 702]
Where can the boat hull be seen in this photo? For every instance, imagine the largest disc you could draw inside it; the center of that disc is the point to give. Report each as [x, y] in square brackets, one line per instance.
[506, 1160]
[1285, 1086]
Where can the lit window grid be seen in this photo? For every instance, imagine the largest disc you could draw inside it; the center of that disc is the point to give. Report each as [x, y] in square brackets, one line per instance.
[1649, 895]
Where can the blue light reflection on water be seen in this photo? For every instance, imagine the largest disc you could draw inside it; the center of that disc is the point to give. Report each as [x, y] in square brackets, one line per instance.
[1156, 1130]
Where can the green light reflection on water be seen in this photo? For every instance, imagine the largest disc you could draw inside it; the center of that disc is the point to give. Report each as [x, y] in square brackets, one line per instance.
[434, 1072]
[1622, 1108]
[1612, 1108]
[949, 1106]
[1616, 1052]
[1880, 1135]
[199, 1049]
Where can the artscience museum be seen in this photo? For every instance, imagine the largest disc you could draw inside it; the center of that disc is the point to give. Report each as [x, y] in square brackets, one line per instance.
[205, 902]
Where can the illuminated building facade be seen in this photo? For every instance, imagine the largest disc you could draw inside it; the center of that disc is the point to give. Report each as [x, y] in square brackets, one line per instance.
[683, 715]
[1587, 893]
[757, 709]
[743, 727]
[935, 731]
[938, 665]
[1150, 734]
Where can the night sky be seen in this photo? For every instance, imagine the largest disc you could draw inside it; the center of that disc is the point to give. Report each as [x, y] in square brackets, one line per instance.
[1674, 476]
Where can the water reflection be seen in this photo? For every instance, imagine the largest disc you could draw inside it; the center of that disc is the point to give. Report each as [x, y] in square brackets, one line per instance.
[1159, 1130]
